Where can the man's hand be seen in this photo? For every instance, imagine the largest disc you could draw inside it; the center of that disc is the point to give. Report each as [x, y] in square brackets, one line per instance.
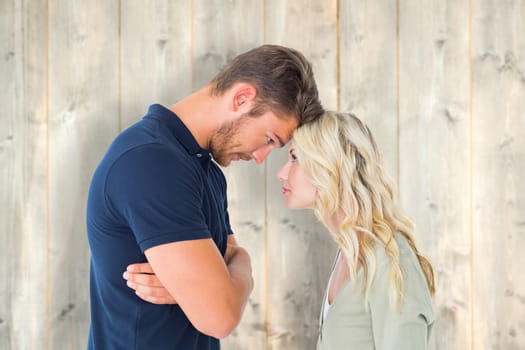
[212, 290]
[230, 251]
[142, 279]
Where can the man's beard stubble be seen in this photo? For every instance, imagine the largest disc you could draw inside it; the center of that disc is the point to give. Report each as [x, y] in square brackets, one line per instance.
[222, 141]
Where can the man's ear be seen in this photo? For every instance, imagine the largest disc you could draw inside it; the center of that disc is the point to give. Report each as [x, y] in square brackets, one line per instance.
[243, 97]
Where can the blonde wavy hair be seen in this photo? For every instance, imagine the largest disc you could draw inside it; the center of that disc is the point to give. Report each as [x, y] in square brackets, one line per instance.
[339, 155]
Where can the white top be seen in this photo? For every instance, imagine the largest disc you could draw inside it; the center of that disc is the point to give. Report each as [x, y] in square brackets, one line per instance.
[326, 304]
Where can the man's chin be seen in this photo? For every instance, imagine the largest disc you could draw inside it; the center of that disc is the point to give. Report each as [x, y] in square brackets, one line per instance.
[223, 162]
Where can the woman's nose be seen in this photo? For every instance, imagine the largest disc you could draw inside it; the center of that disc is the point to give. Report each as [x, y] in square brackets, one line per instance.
[282, 174]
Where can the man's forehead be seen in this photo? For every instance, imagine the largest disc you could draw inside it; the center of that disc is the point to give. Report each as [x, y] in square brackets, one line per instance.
[285, 132]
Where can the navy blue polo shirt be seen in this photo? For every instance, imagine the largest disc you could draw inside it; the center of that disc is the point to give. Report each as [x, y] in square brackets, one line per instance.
[155, 185]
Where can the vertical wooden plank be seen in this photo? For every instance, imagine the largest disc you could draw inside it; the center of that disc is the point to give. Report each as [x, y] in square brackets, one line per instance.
[221, 31]
[83, 119]
[368, 70]
[498, 165]
[300, 251]
[156, 59]
[246, 201]
[434, 152]
[23, 167]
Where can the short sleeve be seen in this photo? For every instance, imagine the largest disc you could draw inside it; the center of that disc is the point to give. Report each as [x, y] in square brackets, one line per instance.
[158, 192]
[226, 213]
[407, 327]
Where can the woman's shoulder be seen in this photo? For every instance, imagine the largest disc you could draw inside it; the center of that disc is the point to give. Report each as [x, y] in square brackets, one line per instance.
[415, 287]
[406, 253]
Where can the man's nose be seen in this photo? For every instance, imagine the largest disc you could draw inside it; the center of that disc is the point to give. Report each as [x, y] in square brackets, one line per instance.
[260, 154]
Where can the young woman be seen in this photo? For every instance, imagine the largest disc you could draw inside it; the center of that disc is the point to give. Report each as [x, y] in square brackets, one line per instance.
[379, 292]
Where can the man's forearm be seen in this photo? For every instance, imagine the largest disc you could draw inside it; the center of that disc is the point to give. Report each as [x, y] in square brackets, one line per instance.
[240, 269]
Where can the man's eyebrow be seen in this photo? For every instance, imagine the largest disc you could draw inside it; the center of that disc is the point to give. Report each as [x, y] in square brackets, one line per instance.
[279, 139]
[281, 143]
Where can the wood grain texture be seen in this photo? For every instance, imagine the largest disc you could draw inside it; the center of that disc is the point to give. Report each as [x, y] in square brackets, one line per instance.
[23, 166]
[216, 40]
[368, 71]
[83, 120]
[155, 59]
[300, 251]
[498, 165]
[434, 153]
[444, 103]
[247, 216]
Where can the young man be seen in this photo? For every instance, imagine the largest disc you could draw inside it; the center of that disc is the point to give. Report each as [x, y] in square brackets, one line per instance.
[159, 196]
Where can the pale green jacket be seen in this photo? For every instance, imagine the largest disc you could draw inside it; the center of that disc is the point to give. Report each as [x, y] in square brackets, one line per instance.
[350, 324]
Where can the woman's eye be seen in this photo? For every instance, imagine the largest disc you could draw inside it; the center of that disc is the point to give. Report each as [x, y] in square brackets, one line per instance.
[269, 140]
[293, 157]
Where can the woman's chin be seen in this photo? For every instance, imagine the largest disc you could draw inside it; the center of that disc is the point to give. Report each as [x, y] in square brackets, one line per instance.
[295, 206]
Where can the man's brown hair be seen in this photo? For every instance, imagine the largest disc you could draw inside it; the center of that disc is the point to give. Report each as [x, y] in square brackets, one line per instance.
[283, 78]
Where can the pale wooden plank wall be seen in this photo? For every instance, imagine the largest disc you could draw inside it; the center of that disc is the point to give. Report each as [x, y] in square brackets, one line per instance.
[83, 110]
[23, 165]
[156, 58]
[498, 167]
[434, 151]
[368, 70]
[441, 84]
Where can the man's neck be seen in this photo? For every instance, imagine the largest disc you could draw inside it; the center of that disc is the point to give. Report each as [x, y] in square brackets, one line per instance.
[200, 113]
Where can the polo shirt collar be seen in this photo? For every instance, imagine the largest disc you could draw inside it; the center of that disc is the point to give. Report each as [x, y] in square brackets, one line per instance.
[179, 131]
